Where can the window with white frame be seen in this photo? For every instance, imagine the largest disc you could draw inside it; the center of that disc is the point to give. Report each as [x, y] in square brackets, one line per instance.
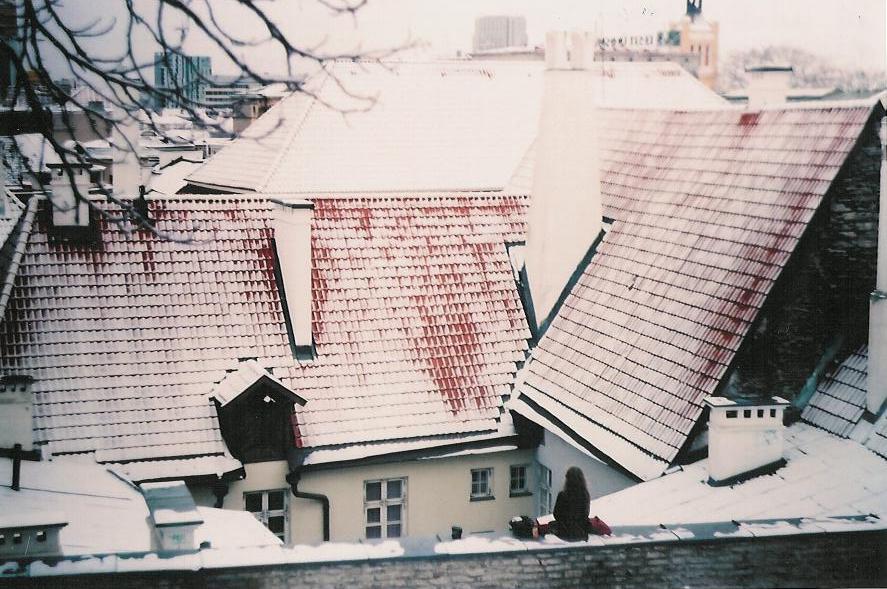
[270, 508]
[519, 483]
[481, 483]
[545, 506]
[384, 508]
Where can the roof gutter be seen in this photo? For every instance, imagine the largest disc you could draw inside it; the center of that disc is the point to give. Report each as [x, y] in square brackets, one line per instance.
[293, 479]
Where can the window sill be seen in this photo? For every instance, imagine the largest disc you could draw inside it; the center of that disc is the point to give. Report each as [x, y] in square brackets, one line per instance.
[482, 498]
[520, 494]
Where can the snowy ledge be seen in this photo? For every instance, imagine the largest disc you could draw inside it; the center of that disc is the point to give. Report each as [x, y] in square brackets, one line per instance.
[210, 558]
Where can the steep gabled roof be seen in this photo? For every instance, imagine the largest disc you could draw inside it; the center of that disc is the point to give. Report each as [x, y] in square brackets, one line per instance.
[446, 125]
[417, 324]
[708, 208]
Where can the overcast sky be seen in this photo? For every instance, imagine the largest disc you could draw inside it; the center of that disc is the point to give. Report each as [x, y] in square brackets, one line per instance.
[848, 32]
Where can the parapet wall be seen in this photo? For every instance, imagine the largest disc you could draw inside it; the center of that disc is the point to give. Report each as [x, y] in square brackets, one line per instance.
[799, 553]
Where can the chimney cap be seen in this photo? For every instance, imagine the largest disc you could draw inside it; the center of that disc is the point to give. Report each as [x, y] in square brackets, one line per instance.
[717, 402]
[772, 67]
[293, 203]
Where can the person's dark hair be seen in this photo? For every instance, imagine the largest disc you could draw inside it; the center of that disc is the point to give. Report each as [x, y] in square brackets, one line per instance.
[575, 486]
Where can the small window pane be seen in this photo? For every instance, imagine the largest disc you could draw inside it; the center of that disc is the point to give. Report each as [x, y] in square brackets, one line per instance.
[275, 500]
[395, 489]
[394, 531]
[276, 523]
[394, 513]
[374, 515]
[41, 536]
[374, 532]
[254, 502]
[747, 413]
[374, 491]
[16, 538]
[760, 413]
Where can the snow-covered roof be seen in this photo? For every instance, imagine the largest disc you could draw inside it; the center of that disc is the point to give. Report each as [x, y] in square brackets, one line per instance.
[448, 125]
[708, 208]
[247, 374]
[171, 178]
[104, 513]
[37, 150]
[839, 401]
[824, 476]
[418, 326]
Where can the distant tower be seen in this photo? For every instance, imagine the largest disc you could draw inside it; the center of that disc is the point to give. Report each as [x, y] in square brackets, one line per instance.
[701, 37]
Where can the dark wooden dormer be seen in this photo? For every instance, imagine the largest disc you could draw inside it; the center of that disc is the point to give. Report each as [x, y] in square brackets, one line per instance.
[255, 414]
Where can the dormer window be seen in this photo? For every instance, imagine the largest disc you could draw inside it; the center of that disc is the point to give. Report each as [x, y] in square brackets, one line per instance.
[255, 414]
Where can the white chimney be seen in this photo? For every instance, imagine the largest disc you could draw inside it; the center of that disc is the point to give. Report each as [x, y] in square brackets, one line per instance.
[69, 209]
[291, 223]
[768, 84]
[743, 438]
[877, 367]
[126, 170]
[565, 213]
[16, 412]
[173, 513]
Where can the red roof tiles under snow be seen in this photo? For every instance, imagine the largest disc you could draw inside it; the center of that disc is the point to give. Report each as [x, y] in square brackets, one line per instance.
[708, 207]
[417, 323]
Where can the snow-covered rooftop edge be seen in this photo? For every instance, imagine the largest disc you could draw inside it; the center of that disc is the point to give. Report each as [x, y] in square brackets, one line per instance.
[210, 558]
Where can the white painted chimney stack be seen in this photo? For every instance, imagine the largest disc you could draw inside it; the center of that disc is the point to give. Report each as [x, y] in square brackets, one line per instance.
[768, 84]
[877, 368]
[16, 412]
[69, 209]
[126, 169]
[743, 437]
[291, 223]
[565, 212]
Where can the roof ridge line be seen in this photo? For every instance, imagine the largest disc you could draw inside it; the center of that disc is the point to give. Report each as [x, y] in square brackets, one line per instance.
[294, 132]
[25, 226]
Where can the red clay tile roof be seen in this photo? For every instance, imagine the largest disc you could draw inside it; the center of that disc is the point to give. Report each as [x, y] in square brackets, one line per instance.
[417, 323]
[708, 207]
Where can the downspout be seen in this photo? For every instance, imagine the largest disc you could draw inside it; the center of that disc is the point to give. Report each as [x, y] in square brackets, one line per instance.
[293, 479]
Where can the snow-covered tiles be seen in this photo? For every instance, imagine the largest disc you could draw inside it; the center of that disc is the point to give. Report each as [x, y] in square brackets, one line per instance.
[824, 476]
[417, 325]
[708, 207]
[839, 401]
[447, 125]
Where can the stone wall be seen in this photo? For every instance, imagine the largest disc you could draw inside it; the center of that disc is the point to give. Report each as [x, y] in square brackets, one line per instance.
[699, 559]
[823, 292]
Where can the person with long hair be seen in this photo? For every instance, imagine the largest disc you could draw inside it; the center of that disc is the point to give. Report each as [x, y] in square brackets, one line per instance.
[572, 507]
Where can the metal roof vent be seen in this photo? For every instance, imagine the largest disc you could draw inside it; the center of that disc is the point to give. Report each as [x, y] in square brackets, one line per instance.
[744, 438]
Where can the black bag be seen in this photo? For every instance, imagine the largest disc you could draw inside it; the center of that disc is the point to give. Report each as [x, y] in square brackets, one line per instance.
[522, 526]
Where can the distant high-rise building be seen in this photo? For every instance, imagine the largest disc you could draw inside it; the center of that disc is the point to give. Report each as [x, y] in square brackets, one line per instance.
[499, 32]
[183, 78]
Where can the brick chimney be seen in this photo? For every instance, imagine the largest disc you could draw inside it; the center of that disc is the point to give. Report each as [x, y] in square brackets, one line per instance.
[291, 223]
[877, 368]
[743, 438]
[565, 212]
[16, 412]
